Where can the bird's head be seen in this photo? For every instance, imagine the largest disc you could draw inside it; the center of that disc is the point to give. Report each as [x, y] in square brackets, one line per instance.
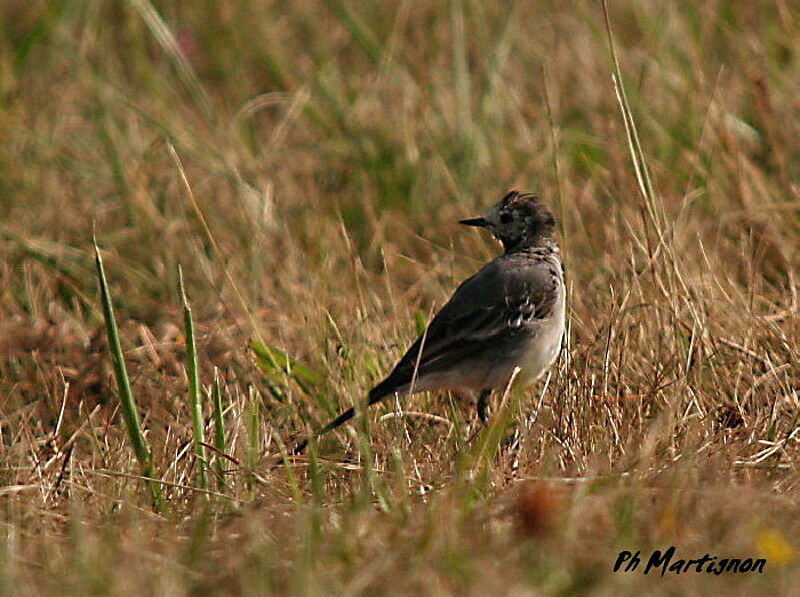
[518, 220]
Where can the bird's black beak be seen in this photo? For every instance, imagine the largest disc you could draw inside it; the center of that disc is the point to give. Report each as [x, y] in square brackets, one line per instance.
[480, 222]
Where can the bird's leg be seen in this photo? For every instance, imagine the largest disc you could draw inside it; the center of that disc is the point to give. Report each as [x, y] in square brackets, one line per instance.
[483, 405]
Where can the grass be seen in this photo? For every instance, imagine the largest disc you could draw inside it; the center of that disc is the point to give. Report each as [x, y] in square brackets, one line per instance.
[305, 164]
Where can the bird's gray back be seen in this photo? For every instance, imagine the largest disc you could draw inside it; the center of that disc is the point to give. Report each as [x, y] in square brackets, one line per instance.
[488, 326]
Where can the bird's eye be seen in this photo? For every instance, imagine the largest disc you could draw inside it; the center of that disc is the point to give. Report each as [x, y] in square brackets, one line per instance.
[505, 218]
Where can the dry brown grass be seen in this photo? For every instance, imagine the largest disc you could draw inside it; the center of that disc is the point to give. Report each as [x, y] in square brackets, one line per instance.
[330, 146]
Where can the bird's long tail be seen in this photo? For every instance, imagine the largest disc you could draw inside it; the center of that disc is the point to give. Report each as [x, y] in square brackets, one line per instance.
[377, 394]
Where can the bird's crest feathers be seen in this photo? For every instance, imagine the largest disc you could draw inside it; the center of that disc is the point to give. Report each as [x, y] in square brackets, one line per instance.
[519, 221]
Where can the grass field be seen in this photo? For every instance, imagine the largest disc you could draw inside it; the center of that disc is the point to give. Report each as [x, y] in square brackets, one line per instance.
[305, 164]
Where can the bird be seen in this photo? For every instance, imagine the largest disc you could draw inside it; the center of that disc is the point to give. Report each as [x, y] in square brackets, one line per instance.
[508, 315]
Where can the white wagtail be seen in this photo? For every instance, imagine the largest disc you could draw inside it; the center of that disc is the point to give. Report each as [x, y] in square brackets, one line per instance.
[508, 315]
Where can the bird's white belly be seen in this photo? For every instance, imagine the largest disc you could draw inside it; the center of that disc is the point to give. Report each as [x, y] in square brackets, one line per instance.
[544, 348]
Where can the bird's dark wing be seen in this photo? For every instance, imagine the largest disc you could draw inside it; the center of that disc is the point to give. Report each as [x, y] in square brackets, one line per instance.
[502, 300]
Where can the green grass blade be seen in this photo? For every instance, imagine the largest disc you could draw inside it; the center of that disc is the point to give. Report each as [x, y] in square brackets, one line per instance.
[420, 322]
[253, 425]
[219, 429]
[274, 361]
[634, 145]
[194, 387]
[128, 404]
